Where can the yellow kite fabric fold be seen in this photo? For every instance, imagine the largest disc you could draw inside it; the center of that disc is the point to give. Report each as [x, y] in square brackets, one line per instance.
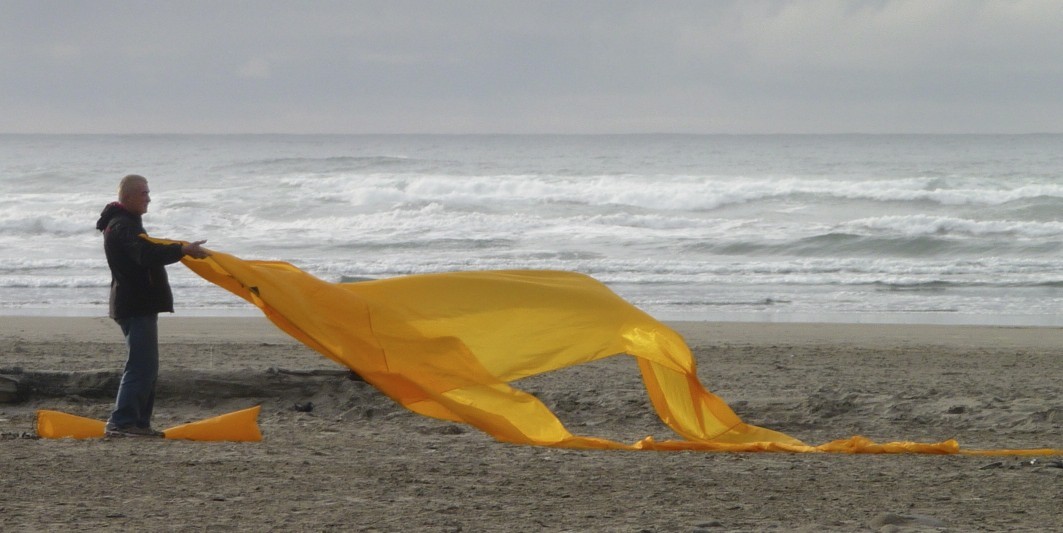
[59, 425]
[448, 345]
[238, 426]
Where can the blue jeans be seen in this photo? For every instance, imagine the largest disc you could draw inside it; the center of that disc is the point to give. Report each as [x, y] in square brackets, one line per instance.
[136, 393]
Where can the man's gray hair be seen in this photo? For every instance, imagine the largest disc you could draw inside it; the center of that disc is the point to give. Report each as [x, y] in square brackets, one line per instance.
[125, 186]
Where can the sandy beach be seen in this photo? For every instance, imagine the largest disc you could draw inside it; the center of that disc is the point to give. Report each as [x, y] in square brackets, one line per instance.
[358, 462]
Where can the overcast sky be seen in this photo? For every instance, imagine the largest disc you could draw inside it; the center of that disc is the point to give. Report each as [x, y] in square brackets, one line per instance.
[528, 66]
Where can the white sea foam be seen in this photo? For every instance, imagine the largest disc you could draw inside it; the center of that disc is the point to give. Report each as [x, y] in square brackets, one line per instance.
[681, 193]
[936, 225]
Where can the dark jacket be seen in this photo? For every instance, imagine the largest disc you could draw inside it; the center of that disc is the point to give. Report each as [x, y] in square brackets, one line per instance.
[138, 277]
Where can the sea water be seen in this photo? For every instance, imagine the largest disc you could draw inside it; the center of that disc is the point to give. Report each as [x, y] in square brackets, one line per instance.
[853, 228]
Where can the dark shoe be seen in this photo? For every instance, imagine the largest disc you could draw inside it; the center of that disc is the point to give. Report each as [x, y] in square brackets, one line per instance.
[132, 431]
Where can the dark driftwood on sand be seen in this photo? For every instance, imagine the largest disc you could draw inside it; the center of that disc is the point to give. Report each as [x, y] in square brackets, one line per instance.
[17, 385]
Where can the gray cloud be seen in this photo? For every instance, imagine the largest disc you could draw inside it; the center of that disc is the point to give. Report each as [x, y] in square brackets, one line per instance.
[456, 67]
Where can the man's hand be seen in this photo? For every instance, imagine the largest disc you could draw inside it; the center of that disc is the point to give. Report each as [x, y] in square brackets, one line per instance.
[193, 249]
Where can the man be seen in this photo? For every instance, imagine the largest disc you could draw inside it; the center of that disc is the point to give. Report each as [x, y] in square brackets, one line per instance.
[139, 292]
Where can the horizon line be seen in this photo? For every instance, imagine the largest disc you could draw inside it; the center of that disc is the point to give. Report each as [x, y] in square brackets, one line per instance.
[541, 134]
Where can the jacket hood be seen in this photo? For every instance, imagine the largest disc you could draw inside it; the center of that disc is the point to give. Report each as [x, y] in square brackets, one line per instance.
[112, 210]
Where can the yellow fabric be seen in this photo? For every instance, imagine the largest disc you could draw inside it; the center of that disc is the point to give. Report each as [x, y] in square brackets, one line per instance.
[58, 425]
[236, 426]
[448, 345]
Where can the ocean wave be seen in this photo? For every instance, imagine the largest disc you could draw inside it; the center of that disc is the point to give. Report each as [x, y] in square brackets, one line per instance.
[664, 270]
[653, 192]
[883, 281]
[37, 226]
[1034, 209]
[321, 165]
[941, 286]
[49, 264]
[900, 246]
[43, 282]
[918, 225]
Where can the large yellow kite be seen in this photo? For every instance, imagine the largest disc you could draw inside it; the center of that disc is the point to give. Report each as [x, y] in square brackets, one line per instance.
[448, 345]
